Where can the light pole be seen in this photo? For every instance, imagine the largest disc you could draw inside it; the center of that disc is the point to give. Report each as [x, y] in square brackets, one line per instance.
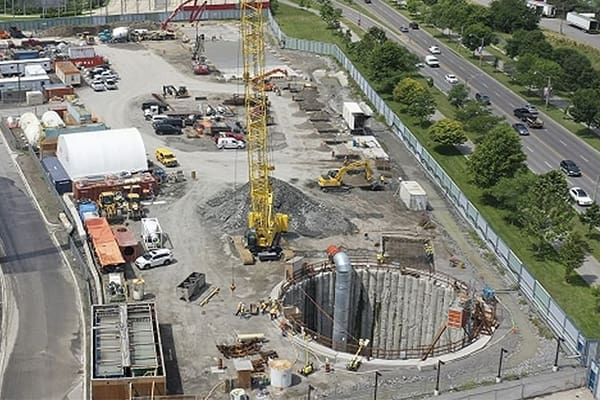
[310, 389]
[559, 340]
[436, 391]
[499, 376]
[377, 375]
[548, 92]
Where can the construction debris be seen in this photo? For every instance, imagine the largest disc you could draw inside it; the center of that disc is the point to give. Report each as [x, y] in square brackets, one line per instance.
[229, 210]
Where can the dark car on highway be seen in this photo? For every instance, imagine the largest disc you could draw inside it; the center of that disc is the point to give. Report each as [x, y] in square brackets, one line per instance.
[413, 25]
[483, 98]
[403, 29]
[522, 113]
[167, 129]
[521, 129]
[570, 168]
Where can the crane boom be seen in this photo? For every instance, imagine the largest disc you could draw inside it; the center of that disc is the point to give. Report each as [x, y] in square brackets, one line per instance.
[264, 225]
[195, 14]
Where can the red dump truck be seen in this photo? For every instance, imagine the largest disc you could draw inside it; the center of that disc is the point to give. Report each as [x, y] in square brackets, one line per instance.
[106, 248]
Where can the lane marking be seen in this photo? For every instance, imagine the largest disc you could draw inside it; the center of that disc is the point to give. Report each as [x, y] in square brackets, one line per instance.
[582, 157]
[549, 165]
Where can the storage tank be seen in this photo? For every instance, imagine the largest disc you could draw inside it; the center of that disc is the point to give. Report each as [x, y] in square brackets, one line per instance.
[30, 124]
[138, 289]
[238, 394]
[281, 373]
[51, 119]
[120, 34]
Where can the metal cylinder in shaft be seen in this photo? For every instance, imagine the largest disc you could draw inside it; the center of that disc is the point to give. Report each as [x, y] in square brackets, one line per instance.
[341, 310]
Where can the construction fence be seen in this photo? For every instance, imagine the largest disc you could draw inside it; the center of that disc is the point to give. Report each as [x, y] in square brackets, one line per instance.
[546, 306]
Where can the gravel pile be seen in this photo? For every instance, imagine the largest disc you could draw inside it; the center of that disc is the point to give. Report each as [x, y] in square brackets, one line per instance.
[308, 217]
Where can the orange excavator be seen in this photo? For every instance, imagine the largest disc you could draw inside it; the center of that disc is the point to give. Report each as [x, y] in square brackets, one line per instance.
[265, 81]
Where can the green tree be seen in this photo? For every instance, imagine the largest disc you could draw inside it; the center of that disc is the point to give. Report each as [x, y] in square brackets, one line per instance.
[578, 72]
[591, 217]
[388, 63]
[508, 194]
[330, 15]
[498, 155]
[413, 6]
[477, 118]
[585, 106]
[572, 253]
[475, 34]
[546, 212]
[528, 42]
[535, 72]
[458, 95]
[510, 15]
[274, 6]
[407, 91]
[423, 106]
[448, 132]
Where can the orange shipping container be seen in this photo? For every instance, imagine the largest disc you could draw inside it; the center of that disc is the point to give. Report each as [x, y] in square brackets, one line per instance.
[104, 243]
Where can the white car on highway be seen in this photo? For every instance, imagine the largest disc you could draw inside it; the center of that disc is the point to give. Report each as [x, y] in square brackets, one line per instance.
[435, 50]
[580, 197]
[450, 78]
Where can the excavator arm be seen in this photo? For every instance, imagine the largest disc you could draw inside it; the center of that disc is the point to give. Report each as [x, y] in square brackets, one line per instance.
[335, 179]
[263, 79]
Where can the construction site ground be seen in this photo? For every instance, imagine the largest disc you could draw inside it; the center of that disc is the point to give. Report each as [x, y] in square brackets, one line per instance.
[199, 213]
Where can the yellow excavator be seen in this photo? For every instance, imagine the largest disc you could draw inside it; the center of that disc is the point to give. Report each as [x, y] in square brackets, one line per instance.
[354, 363]
[334, 179]
[263, 79]
[134, 206]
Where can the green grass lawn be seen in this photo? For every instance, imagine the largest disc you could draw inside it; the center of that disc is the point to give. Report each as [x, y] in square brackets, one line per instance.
[575, 298]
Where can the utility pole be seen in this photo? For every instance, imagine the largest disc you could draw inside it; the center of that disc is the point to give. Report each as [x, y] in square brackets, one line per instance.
[436, 391]
[499, 376]
[559, 340]
[377, 375]
[548, 93]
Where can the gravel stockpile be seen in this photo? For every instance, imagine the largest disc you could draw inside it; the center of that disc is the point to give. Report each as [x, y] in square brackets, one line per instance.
[308, 217]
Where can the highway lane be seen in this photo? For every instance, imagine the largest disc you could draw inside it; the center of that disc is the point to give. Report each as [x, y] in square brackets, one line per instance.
[44, 359]
[544, 147]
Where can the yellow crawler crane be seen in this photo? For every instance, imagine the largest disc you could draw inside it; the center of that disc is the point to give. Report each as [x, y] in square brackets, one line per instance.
[264, 225]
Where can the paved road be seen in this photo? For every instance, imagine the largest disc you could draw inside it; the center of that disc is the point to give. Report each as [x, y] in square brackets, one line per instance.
[42, 360]
[559, 25]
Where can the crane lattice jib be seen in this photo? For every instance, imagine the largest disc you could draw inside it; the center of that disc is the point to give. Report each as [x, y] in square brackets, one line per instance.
[261, 218]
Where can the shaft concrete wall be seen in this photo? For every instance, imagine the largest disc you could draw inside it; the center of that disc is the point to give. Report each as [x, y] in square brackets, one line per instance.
[398, 313]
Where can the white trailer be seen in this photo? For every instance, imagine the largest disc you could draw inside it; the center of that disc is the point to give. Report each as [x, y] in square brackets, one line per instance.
[543, 8]
[152, 234]
[17, 67]
[585, 22]
[356, 116]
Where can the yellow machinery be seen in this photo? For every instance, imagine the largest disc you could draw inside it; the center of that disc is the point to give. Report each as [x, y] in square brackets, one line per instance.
[264, 225]
[108, 206]
[134, 206]
[264, 79]
[354, 363]
[334, 179]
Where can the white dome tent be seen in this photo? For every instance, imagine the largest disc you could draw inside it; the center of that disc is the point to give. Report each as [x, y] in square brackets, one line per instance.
[102, 152]
[30, 124]
[51, 119]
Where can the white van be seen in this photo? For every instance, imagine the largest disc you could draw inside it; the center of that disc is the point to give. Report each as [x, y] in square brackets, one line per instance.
[432, 61]
[230, 143]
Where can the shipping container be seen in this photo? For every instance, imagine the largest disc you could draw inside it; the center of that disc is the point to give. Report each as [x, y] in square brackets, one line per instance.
[106, 249]
[127, 242]
[57, 174]
[25, 54]
[91, 189]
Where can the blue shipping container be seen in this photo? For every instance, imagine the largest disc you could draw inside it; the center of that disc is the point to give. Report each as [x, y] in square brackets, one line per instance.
[26, 54]
[57, 174]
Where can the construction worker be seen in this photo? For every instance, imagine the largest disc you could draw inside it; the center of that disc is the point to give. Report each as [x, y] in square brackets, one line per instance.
[273, 313]
[241, 309]
[379, 258]
[283, 327]
[428, 248]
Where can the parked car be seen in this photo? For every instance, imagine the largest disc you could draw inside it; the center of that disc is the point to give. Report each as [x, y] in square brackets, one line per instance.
[97, 85]
[580, 197]
[154, 258]
[451, 79]
[435, 50]
[166, 157]
[167, 129]
[483, 98]
[230, 143]
[521, 129]
[110, 84]
[570, 168]
[237, 136]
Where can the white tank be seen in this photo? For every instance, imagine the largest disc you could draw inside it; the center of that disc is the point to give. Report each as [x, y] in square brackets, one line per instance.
[281, 373]
[51, 119]
[120, 33]
[151, 231]
[138, 289]
[30, 124]
[238, 394]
